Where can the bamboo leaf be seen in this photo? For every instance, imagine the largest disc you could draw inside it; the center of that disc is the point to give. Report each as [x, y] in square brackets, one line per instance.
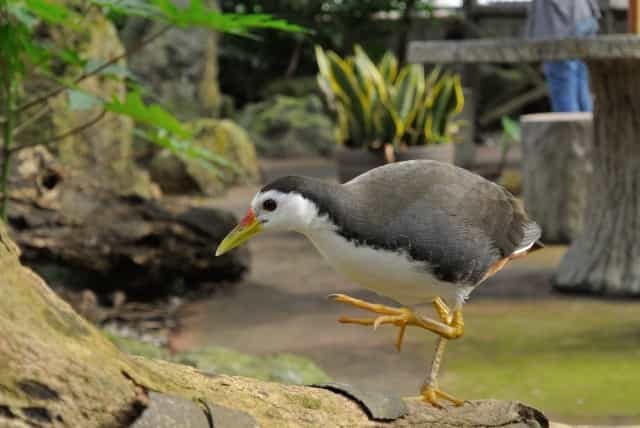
[82, 100]
[152, 114]
[54, 13]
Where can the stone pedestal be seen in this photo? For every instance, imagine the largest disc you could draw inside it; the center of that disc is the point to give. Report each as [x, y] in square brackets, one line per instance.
[556, 171]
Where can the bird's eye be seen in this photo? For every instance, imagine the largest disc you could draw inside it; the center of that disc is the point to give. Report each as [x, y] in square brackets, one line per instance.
[269, 205]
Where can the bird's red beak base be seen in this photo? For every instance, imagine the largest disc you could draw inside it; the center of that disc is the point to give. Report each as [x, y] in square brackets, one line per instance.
[248, 227]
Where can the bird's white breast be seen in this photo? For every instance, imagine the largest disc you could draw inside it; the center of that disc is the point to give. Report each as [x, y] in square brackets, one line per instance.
[391, 274]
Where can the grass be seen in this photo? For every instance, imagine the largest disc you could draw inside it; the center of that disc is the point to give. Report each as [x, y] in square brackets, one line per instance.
[577, 360]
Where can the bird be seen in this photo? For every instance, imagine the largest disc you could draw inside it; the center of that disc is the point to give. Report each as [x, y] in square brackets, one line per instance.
[417, 232]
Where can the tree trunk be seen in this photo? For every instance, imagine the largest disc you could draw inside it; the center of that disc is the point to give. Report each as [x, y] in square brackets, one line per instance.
[57, 370]
[605, 259]
[556, 166]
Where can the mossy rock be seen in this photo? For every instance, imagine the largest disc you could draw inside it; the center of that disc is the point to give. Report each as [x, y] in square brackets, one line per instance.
[284, 367]
[105, 150]
[224, 137]
[287, 126]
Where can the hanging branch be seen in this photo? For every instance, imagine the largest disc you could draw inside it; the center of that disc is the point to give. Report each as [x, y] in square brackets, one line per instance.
[142, 43]
[63, 135]
[24, 125]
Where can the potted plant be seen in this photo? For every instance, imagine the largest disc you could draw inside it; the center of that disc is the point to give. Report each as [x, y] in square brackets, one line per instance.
[385, 113]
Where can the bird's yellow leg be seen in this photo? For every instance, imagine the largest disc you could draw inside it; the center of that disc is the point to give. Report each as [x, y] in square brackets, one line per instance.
[430, 392]
[402, 317]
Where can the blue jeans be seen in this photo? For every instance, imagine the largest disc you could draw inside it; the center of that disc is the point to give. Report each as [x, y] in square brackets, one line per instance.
[568, 85]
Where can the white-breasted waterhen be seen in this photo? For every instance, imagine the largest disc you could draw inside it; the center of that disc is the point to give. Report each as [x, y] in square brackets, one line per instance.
[416, 231]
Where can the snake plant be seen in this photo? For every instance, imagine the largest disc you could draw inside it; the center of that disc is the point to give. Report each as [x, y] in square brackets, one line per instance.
[379, 104]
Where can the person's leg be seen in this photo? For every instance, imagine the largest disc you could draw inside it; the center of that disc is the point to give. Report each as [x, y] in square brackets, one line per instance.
[584, 93]
[562, 82]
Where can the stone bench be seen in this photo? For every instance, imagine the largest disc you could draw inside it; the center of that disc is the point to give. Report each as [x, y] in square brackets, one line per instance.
[556, 171]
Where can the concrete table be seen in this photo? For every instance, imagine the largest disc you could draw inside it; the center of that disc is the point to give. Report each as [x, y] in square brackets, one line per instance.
[605, 258]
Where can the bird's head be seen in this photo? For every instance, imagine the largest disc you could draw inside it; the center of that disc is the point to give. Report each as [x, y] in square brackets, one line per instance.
[271, 209]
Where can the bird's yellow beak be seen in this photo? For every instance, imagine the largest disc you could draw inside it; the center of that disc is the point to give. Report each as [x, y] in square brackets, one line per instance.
[247, 227]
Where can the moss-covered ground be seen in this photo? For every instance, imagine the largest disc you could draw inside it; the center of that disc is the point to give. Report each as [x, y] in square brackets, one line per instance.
[577, 359]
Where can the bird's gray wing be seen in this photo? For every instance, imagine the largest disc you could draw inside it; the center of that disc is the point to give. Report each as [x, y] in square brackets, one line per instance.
[456, 222]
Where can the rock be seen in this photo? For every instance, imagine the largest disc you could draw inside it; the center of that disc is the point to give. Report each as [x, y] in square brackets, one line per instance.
[108, 242]
[222, 137]
[286, 126]
[169, 411]
[58, 370]
[180, 67]
[104, 150]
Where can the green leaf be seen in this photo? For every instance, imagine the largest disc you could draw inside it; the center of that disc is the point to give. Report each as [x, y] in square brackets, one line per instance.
[511, 128]
[53, 13]
[152, 114]
[20, 12]
[408, 93]
[349, 92]
[71, 57]
[197, 14]
[389, 67]
[114, 70]
[142, 8]
[82, 100]
[14, 41]
[186, 148]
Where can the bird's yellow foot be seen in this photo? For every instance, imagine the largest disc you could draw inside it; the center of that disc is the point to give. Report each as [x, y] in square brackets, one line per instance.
[400, 317]
[432, 394]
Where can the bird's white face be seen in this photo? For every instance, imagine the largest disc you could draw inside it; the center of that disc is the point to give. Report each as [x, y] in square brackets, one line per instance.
[271, 210]
[283, 211]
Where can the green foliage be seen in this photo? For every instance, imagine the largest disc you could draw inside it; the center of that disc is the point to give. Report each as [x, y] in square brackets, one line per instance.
[197, 14]
[284, 368]
[511, 134]
[381, 104]
[334, 24]
[23, 54]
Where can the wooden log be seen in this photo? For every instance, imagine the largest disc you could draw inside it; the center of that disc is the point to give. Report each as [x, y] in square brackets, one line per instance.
[57, 370]
[145, 248]
[556, 171]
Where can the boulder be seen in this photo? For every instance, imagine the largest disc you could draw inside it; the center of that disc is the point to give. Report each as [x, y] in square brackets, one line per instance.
[287, 126]
[180, 67]
[180, 174]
